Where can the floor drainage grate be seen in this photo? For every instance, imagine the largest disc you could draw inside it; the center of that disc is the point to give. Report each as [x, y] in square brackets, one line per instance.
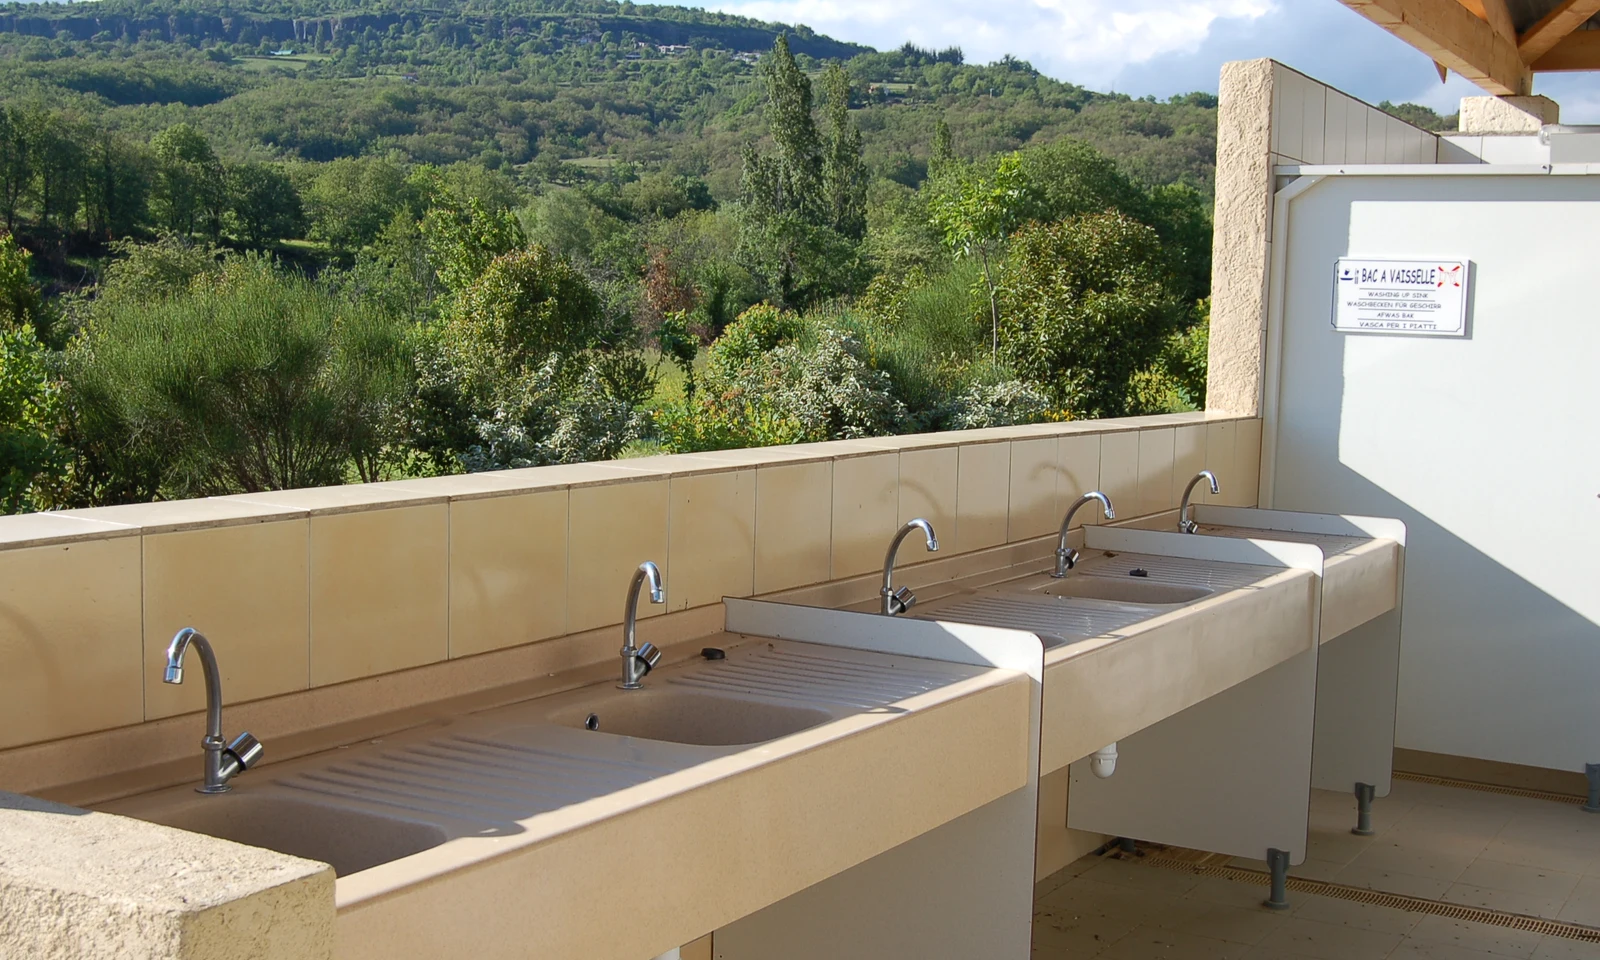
[1491, 788]
[1339, 891]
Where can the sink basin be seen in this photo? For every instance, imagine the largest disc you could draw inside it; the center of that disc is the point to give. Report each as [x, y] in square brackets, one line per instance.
[351, 840]
[1123, 590]
[677, 716]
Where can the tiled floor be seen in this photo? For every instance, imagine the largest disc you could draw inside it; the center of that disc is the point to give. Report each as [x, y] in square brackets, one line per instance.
[1510, 854]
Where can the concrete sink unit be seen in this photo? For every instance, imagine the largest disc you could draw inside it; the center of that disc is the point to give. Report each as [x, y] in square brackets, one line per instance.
[1125, 650]
[1363, 556]
[724, 786]
[1358, 686]
[1179, 686]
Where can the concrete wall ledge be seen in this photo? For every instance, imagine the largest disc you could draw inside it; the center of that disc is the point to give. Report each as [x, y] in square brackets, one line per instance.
[97, 523]
[75, 884]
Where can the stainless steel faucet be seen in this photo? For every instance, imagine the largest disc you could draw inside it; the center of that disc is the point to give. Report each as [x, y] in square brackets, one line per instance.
[224, 761]
[638, 661]
[1067, 558]
[1185, 524]
[899, 601]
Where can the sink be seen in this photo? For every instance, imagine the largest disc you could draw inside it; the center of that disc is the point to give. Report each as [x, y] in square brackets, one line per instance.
[678, 716]
[1123, 590]
[351, 840]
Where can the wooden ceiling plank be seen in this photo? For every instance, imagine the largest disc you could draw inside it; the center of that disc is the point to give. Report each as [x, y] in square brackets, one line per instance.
[1452, 35]
[1543, 36]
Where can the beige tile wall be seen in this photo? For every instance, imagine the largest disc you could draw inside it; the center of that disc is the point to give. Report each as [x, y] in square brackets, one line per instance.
[794, 524]
[305, 588]
[983, 495]
[246, 589]
[379, 588]
[508, 571]
[69, 639]
[612, 529]
[711, 538]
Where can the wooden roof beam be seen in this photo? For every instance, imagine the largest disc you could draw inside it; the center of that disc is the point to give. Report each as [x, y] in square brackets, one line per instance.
[1497, 14]
[1543, 36]
[1453, 36]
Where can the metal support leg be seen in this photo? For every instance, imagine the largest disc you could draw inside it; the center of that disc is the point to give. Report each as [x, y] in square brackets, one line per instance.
[1364, 793]
[1125, 844]
[1592, 771]
[1278, 861]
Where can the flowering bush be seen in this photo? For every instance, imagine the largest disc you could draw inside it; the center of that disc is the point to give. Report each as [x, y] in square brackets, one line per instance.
[773, 378]
[1002, 404]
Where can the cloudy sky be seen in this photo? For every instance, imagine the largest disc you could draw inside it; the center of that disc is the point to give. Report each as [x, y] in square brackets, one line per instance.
[1161, 47]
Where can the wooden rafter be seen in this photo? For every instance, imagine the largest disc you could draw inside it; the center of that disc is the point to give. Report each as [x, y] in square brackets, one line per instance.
[1543, 36]
[1579, 50]
[1455, 38]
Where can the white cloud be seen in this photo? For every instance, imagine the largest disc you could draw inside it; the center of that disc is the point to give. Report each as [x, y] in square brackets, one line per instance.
[1087, 39]
[1162, 47]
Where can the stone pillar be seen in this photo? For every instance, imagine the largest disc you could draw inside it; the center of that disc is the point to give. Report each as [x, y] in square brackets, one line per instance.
[1240, 243]
[76, 884]
[1507, 116]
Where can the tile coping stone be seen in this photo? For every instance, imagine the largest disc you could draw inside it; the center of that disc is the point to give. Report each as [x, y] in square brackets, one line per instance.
[44, 529]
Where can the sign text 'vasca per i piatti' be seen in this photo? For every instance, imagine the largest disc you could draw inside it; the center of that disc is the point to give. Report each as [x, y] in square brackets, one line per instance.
[1418, 297]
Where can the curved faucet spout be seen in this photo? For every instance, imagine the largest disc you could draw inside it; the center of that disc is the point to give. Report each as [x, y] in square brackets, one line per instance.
[638, 661]
[1067, 558]
[177, 650]
[1186, 523]
[223, 760]
[899, 601]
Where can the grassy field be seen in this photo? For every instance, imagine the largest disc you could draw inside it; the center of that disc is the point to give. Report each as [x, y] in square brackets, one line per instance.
[297, 62]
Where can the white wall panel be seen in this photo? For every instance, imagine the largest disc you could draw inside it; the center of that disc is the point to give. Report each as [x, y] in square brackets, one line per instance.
[1485, 446]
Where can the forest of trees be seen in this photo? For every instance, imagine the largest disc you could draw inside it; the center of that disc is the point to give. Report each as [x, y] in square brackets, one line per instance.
[279, 247]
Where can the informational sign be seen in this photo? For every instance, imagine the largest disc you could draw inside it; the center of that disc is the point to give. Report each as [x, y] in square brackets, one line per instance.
[1417, 297]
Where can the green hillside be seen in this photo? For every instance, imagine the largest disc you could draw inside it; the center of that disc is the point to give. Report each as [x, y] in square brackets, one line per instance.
[274, 245]
[513, 81]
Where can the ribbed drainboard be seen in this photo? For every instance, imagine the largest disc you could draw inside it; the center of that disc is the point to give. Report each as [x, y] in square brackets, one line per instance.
[811, 678]
[1332, 544]
[1199, 573]
[466, 778]
[1037, 615]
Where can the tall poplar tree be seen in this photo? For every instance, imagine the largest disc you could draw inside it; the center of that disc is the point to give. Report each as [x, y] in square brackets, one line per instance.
[844, 173]
[804, 203]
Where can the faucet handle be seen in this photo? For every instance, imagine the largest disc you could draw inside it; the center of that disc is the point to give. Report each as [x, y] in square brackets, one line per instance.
[902, 600]
[246, 749]
[649, 655]
[240, 755]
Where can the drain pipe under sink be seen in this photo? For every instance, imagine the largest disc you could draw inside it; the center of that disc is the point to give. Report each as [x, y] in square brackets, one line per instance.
[1103, 762]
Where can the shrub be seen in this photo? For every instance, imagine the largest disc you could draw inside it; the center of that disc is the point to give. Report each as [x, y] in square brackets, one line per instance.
[518, 373]
[250, 380]
[1084, 305]
[1002, 404]
[31, 460]
[774, 378]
